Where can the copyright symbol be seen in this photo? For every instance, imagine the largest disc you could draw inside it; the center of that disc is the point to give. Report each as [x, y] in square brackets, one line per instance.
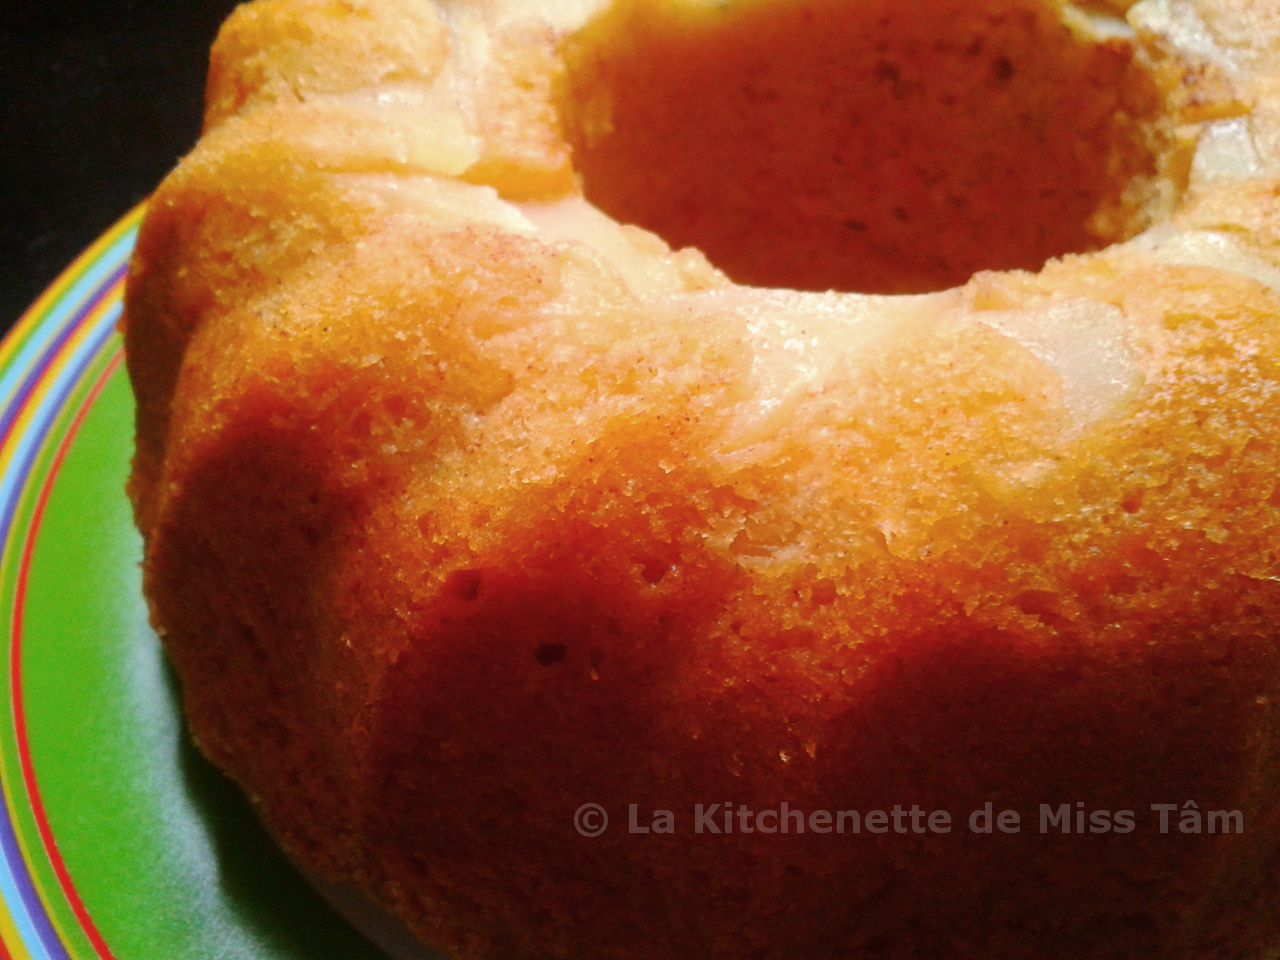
[591, 820]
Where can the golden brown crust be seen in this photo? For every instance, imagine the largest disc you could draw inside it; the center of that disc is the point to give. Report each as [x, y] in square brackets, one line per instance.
[293, 50]
[455, 522]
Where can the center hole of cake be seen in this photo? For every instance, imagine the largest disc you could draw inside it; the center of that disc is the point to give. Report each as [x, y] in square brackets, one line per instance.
[884, 146]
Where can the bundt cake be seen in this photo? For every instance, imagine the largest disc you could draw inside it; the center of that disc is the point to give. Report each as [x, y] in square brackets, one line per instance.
[734, 479]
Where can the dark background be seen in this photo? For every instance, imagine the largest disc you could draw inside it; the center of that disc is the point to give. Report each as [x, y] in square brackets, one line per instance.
[98, 100]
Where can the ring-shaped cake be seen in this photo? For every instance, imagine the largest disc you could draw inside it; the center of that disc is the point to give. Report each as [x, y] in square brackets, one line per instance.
[503, 449]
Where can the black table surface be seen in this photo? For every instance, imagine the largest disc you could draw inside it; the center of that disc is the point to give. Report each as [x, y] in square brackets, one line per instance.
[98, 100]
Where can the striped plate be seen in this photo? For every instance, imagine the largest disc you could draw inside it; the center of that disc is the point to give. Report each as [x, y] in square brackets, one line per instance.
[117, 839]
